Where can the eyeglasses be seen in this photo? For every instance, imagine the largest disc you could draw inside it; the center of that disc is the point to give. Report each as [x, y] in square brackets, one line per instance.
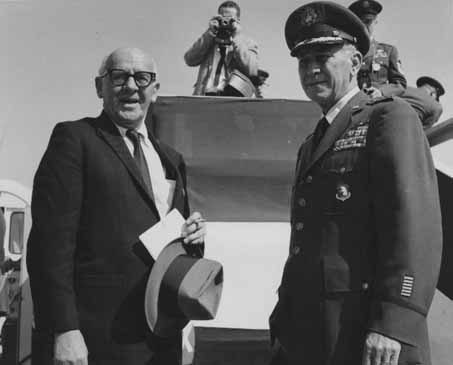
[119, 77]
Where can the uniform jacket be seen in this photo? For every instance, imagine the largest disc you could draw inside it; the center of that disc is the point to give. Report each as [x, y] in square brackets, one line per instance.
[428, 109]
[243, 57]
[365, 239]
[87, 268]
[381, 68]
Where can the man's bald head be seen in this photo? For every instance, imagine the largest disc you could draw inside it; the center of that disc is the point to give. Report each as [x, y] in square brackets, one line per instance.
[127, 52]
[127, 83]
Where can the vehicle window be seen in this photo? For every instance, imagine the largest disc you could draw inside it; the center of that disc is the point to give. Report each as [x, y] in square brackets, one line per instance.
[240, 156]
[16, 233]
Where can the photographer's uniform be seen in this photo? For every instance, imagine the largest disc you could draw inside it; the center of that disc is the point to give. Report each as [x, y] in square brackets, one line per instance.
[218, 60]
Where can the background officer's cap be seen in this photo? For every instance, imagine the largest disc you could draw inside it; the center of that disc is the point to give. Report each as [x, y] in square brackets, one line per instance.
[432, 82]
[367, 9]
[324, 22]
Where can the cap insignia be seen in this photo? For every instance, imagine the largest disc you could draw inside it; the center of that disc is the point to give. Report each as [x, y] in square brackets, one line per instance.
[309, 16]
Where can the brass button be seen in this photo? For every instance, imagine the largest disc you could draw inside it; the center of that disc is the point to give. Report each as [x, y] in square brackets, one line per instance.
[299, 226]
[343, 170]
[296, 250]
[309, 179]
[365, 286]
[302, 202]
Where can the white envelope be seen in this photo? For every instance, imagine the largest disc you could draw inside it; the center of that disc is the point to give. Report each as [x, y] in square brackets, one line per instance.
[162, 233]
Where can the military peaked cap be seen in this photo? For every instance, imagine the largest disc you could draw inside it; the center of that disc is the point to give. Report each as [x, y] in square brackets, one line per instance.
[324, 22]
[365, 8]
[432, 82]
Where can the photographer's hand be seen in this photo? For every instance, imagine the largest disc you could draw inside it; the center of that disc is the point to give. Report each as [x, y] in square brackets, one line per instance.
[213, 25]
[236, 28]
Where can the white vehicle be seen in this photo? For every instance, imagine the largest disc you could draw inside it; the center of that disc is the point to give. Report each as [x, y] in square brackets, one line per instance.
[15, 299]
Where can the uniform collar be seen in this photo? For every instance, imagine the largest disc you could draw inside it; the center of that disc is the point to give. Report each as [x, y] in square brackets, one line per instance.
[333, 111]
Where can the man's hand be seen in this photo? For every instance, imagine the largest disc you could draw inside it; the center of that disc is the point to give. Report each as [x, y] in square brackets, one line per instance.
[194, 229]
[380, 350]
[236, 27]
[214, 25]
[373, 92]
[70, 349]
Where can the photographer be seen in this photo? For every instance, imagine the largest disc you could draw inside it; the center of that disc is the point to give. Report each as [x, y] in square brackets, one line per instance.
[224, 56]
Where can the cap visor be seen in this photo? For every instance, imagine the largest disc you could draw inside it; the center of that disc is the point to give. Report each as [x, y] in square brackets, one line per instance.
[315, 41]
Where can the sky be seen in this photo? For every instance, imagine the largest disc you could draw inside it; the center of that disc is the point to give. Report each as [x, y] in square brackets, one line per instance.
[51, 50]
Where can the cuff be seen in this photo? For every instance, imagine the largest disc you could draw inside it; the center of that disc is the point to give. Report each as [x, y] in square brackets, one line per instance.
[397, 322]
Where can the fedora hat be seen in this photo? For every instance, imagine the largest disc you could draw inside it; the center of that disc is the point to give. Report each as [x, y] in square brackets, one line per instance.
[180, 288]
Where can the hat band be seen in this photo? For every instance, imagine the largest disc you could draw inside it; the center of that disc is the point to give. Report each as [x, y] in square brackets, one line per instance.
[171, 281]
[323, 33]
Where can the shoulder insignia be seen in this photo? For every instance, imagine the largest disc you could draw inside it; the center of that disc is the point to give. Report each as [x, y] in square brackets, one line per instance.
[353, 138]
[379, 100]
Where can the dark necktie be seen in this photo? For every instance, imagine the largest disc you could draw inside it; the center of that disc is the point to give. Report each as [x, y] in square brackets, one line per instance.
[139, 158]
[320, 130]
[220, 65]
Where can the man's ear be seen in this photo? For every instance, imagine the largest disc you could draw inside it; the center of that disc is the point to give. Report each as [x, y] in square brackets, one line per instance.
[98, 83]
[356, 61]
[156, 88]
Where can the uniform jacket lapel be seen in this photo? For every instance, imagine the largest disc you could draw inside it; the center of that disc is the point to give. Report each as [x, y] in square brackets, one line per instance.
[107, 131]
[336, 129]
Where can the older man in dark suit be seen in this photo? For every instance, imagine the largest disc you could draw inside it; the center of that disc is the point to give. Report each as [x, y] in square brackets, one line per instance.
[101, 183]
[365, 218]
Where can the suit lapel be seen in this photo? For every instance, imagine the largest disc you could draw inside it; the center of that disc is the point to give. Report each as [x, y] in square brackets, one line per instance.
[171, 172]
[336, 129]
[107, 131]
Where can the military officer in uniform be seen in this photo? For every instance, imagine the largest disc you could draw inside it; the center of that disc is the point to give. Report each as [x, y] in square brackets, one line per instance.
[425, 99]
[432, 87]
[365, 218]
[381, 73]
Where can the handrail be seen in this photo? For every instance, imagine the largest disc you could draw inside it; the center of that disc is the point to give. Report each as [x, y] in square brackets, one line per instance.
[440, 133]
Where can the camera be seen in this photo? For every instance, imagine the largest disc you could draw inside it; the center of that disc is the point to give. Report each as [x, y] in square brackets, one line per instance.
[225, 30]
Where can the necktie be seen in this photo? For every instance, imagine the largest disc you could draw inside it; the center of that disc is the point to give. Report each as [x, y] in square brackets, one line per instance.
[139, 158]
[320, 130]
[220, 65]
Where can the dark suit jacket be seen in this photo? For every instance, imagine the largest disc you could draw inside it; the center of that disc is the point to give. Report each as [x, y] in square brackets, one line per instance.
[381, 69]
[365, 239]
[87, 268]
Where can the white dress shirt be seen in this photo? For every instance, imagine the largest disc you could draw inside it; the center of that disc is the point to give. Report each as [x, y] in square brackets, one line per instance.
[333, 111]
[163, 189]
[210, 87]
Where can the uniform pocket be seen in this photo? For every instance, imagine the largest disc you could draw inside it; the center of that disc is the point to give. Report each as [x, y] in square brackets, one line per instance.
[337, 276]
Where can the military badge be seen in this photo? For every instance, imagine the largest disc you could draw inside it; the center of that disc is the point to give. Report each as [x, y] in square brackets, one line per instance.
[309, 16]
[343, 192]
[376, 66]
[381, 53]
[354, 138]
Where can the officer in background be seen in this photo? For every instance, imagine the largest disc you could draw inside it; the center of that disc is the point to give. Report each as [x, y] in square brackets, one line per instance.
[424, 99]
[366, 232]
[432, 87]
[381, 73]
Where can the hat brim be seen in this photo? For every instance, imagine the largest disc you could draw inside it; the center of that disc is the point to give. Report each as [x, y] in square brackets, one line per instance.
[157, 320]
[433, 82]
[315, 41]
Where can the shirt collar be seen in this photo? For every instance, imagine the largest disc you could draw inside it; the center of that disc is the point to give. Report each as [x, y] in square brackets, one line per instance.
[333, 111]
[141, 129]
